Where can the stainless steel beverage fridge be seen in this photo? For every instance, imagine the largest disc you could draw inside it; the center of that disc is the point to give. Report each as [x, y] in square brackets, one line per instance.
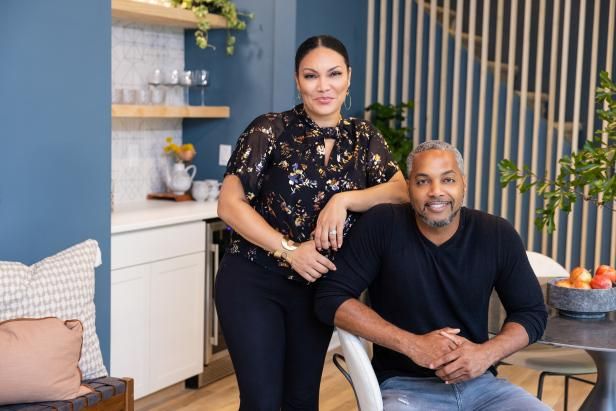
[217, 363]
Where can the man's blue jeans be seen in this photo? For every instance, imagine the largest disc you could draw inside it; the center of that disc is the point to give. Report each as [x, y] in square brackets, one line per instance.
[485, 393]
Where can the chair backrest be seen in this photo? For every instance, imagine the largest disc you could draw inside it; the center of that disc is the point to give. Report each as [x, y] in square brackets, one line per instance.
[365, 384]
[544, 266]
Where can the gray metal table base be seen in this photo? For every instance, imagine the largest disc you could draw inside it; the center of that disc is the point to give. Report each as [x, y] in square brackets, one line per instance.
[603, 395]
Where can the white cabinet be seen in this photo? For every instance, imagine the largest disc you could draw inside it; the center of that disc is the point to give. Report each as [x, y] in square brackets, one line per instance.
[157, 305]
[130, 328]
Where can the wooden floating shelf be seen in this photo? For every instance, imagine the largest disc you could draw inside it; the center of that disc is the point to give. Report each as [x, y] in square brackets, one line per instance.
[136, 111]
[160, 15]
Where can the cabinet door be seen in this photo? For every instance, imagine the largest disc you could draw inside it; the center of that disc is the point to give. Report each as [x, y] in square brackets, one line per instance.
[130, 330]
[176, 319]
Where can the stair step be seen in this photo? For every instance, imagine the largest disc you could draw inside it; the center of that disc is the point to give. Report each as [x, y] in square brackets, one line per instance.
[531, 96]
[440, 11]
[504, 68]
[465, 40]
[568, 131]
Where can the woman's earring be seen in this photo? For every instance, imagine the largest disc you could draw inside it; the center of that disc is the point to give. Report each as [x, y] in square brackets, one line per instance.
[299, 97]
[347, 107]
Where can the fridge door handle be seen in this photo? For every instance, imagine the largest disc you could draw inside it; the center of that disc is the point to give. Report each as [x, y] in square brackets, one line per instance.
[215, 250]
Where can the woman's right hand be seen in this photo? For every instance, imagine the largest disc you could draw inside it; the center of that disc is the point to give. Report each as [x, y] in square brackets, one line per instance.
[308, 262]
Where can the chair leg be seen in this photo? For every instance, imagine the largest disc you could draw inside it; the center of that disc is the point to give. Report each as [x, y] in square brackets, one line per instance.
[566, 392]
[540, 385]
[337, 359]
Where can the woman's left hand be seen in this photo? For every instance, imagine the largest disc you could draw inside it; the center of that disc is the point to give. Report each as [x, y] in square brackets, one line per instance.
[330, 224]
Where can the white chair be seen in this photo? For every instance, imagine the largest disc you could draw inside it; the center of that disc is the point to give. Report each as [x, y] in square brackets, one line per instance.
[550, 360]
[360, 373]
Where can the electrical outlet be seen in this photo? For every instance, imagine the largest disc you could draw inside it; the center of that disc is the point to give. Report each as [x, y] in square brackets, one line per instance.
[224, 153]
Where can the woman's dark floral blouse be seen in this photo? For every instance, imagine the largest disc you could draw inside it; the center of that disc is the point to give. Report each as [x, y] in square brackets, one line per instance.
[280, 160]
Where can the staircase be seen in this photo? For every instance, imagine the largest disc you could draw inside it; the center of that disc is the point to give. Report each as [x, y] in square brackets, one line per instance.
[473, 84]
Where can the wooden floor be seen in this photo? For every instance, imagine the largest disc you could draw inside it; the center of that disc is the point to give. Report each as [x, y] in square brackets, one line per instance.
[336, 394]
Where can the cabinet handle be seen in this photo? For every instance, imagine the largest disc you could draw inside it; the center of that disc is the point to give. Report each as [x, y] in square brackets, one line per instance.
[215, 250]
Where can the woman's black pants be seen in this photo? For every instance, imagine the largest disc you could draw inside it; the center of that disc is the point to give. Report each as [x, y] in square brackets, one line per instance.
[277, 345]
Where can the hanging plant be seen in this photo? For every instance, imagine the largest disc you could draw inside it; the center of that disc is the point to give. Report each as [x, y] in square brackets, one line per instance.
[589, 174]
[225, 8]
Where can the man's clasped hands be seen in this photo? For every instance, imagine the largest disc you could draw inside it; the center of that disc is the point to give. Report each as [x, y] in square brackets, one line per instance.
[455, 358]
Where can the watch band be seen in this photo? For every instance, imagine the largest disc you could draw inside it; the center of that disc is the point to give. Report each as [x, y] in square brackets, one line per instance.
[281, 255]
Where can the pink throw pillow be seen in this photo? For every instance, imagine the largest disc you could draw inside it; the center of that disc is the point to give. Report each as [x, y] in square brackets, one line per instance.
[38, 360]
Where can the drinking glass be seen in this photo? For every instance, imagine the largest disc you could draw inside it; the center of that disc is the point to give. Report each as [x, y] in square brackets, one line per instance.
[201, 78]
[156, 77]
[173, 77]
[186, 79]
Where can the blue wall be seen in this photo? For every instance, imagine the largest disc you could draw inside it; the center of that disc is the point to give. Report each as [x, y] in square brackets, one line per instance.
[259, 78]
[55, 77]
[346, 20]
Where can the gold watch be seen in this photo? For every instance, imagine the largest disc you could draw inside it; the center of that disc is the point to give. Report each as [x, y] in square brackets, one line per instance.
[281, 255]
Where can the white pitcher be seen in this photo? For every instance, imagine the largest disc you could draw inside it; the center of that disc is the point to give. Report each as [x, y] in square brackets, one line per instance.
[181, 178]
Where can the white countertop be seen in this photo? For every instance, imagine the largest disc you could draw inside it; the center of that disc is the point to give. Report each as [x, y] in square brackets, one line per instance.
[157, 213]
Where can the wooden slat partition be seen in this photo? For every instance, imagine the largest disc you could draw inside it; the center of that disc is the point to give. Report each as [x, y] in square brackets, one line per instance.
[456, 73]
[609, 66]
[562, 107]
[492, 179]
[470, 75]
[406, 57]
[418, 73]
[509, 107]
[551, 110]
[536, 117]
[483, 79]
[444, 70]
[431, 72]
[369, 57]
[382, 48]
[521, 140]
[393, 66]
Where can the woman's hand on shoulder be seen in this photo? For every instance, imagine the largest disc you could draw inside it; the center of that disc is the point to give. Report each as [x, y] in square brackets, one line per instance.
[330, 223]
[308, 262]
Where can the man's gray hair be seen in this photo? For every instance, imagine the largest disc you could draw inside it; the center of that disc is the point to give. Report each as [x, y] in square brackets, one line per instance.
[434, 145]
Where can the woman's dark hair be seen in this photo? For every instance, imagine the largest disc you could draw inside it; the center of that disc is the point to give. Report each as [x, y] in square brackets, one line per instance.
[323, 40]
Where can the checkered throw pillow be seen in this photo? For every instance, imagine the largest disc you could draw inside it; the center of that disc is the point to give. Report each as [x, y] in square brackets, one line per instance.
[59, 286]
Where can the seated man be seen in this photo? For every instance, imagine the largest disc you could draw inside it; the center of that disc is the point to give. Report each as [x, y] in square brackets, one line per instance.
[430, 267]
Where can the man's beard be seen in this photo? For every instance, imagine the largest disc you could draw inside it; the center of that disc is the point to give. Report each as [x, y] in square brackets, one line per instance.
[437, 223]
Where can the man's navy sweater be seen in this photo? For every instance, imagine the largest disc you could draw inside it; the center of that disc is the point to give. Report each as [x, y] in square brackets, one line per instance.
[421, 287]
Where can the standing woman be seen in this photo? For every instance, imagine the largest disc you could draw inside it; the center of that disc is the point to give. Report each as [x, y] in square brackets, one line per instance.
[292, 188]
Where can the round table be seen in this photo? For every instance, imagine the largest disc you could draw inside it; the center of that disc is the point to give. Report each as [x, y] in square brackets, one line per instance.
[598, 338]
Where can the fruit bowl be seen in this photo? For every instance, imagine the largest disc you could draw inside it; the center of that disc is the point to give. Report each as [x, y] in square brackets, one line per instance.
[581, 303]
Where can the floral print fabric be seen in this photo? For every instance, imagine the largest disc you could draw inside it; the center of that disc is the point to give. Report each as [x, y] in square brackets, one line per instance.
[280, 160]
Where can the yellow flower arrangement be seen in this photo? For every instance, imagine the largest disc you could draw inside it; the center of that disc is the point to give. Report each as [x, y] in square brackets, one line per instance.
[185, 152]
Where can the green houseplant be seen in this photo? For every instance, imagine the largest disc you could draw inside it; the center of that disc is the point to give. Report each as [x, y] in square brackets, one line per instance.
[226, 8]
[388, 118]
[589, 174]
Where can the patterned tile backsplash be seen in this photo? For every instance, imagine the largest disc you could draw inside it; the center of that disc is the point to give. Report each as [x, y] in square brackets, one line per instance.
[137, 162]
